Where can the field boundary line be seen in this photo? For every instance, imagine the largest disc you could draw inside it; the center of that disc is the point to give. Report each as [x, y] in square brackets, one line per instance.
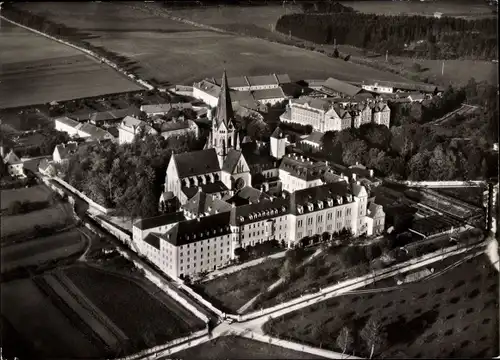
[102, 59]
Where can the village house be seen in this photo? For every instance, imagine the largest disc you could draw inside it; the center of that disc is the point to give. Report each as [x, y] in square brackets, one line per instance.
[130, 127]
[163, 109]
[62, 152]
[81, 130]
[15, 166]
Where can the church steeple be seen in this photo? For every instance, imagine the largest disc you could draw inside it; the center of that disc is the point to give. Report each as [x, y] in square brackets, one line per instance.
[224, 112]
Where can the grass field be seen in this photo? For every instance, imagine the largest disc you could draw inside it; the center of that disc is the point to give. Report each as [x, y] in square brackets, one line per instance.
[42, 324]
[452, 315]
[465, 9]
[52, 216]
[138, 314]
[234, 290]
[175, 52]
[233, 347]
[41, 250]
[32, 194]
[50, 70]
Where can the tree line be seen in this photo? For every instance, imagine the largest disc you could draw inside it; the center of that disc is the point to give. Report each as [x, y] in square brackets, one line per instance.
[426, 37]
[414, 150]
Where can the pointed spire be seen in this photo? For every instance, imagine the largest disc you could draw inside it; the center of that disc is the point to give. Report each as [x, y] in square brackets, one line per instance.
[237, 147]
[224, 105]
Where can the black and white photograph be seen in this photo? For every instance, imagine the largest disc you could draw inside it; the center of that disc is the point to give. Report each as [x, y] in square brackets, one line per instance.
[249, 179]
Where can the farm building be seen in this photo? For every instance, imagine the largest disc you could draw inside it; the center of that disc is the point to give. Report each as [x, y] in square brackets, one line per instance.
[334, 87]
[62, 152]
[81, 130]
[47, 168]
[15, 166]
[178, 127]
[313, 141]
[163, 109]
[416, 97]
[129, 128]
[389, 87]
[105, 117]
[250, 83]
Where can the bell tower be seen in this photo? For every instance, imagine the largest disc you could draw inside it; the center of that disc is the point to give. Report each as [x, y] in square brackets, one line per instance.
[224, 135]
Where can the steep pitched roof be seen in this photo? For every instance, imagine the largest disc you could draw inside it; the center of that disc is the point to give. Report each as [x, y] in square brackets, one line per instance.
[67, 121]
[195, 163]
[66, 149]
[261, 210]
[278, 133]
[315, 137]
[11, 158]
[114, 114]
[342, 87]
[231, 160]
[264, 94]
[202, 203]
[318, 194]
[252, 194]
[224, 113]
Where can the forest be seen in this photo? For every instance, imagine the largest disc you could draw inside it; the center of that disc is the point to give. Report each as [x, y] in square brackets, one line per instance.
[413, 149]
[420, 36]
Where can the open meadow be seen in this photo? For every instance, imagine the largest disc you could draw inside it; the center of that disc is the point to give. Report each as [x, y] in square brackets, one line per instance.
[37, 70]
[451, 315]
[42, 250]
[234, 347]
[33, 194]
[177, 53]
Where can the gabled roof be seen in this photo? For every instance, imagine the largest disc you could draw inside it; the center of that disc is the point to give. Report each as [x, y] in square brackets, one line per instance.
[283, 78]
[231, 160]
[174, 125]
[224, 112]
[114, 114]
[315, 137]
[66, 149]
[153, 222]
[303, 168]
[67, 121]
[196, 163]
[342, 87]
[153, 240]
[202, 203]
[375, 210]
[252, 194]
[94, 131]
[11, 158]
[403, 85]
[274, 93]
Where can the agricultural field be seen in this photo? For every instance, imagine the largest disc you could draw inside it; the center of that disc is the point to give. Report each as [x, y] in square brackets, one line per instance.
[33, 194]
[141, 316]
[42, 250]
[235, 290]
[37, 70]
[233, 347]
[454, 314]
[43, 325]
[53, 216]
[176, 53]
[464, 9]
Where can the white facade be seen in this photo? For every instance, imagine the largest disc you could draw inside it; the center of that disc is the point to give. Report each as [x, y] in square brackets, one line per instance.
[16, 170]
[291, 183]
[378, 89]
[207, 98]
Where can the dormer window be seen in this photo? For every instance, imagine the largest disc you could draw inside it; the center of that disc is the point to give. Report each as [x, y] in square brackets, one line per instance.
[320, 205]
[242, 218]
[300, 209]
[349, 197]
[194, 236]
[329, 202]
[339, 200]
[283, 209]
[250, 217]
[310, 207]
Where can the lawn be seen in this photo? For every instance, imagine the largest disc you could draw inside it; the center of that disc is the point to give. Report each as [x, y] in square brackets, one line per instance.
[233, 347]
[54, 216]
[134, 310]
[178, 53]
[234, 290]
[37, 70]
[452, 315]
[37, 193]
[43, 325]
[472, 195]
[41, 250]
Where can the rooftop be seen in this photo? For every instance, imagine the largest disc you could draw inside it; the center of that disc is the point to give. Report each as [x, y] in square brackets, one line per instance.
[202, 204]
[165, 108]
[231, 160]
[210, 188]
[66, 149]
[302, 167]
[114, 114]
[315, 137]
[403, 85]
[149, 223]
[341, 87]
[262, 210]
[67, 121]
[196, 163]
[320, 197]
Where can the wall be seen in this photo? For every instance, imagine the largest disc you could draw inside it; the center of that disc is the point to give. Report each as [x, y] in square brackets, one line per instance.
[83, 196]
[151, 353]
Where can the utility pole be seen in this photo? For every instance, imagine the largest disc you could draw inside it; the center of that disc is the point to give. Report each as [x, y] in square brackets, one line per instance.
[386, 55]
[442, 69]
[335, 42]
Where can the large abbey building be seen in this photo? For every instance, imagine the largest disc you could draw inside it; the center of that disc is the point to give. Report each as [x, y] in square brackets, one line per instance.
[224, 206]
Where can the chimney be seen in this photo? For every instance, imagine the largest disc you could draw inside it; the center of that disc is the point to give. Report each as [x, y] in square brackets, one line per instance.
[371, 172]
[353, 177]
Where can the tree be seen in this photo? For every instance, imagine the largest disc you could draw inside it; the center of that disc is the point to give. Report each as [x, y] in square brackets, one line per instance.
[416, 67]
[373, 336]
[345, 339]
[353, 152]
[286, 271]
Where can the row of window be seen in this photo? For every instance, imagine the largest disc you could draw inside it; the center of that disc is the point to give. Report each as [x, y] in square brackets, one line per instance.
[201, 263]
